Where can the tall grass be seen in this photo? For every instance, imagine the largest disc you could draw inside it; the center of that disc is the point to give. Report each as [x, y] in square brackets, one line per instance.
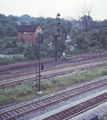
[28, 89]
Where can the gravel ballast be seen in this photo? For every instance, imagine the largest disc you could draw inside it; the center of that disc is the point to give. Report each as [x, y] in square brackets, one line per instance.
[100, 110]
[40, 114]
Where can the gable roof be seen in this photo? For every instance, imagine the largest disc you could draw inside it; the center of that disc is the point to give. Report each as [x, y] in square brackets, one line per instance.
[27, 28]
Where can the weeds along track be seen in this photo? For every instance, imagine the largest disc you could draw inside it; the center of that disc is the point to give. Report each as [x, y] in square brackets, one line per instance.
[21, 110]
[14, 78]
[79, 108]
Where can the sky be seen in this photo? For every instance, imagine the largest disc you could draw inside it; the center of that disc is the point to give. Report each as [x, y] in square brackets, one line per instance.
[49, 8]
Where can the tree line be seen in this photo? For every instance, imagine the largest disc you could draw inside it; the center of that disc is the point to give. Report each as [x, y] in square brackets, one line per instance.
[85, 36]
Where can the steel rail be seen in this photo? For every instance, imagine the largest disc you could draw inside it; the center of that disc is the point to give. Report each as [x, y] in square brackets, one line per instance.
[30, 71]
[79, 108]
[52, 73]
[32, 106]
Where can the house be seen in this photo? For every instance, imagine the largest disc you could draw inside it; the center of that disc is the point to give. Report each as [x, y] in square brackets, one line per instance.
[29, 32]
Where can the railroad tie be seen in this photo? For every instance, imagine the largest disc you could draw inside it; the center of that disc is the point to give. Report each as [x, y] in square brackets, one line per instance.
[22, 110]
[17, 111]
[10, 113]
[2, 117]
[25, 108]
[6, 115]
[31, 106]
[14, 112]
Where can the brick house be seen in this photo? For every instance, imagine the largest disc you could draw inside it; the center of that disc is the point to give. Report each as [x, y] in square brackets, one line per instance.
[29, 32]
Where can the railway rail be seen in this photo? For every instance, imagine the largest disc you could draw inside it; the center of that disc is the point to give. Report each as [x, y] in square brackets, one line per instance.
[29, 71]
[19, 111]
[55, 71]
[79, 108]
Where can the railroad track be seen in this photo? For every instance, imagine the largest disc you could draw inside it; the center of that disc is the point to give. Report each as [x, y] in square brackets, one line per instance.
[34, 70]
[8, 81]
[79, 108]
[22, 110]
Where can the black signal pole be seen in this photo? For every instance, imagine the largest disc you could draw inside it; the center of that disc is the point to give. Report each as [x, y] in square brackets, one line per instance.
[57, 35]
[40, 41]
[39, 66]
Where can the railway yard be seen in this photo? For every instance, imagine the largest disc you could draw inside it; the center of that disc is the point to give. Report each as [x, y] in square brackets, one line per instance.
[75, 101]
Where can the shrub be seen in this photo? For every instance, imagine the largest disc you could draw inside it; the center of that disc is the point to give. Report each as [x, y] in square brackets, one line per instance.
[4, 99]
[104, 72]
[6, 60]
[15, 50]
[44, 85]
[18, 58]
[22, 90]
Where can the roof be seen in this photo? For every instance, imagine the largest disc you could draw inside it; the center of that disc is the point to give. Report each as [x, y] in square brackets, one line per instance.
[27, 28]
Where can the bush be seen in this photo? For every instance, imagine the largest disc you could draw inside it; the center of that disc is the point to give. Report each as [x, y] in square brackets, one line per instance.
[6, 60]
[22, 90]
[18, 58]
[44, 85]
[29, 52]
[4, 99]
[104, 72]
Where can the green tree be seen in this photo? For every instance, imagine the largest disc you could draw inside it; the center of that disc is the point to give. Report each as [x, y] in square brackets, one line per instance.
[12, 18]
[86, 22]
[61, 45]
[79, 40]
[22, 39]
[29, 52]
[95, 42]
[103, 37]
[1, 31]
[10, 31]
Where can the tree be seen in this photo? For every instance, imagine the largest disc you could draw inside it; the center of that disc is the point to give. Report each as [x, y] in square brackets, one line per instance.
[79, 40]
[104, 23]
[1, 31]
[84, 14]
[10, 31]
[95, 39]
[86, 22]
[103, 37]
[22, 39]
[12, 18]
[61, 44]
[29, 52]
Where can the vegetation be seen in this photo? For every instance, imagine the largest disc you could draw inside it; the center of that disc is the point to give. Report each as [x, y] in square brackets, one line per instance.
[14, 58]
[27, 90]
[105, 117]
[94, 40]
[85, 37]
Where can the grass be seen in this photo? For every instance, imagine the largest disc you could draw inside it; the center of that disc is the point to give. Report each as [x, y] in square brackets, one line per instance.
[28, 90]
[105, 117]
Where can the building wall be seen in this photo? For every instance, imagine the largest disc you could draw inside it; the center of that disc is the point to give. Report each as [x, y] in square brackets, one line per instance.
[29, 36]
[38, 30]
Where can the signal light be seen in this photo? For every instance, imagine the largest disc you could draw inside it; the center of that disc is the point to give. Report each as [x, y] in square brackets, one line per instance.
[42, 38]
[42, 66]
